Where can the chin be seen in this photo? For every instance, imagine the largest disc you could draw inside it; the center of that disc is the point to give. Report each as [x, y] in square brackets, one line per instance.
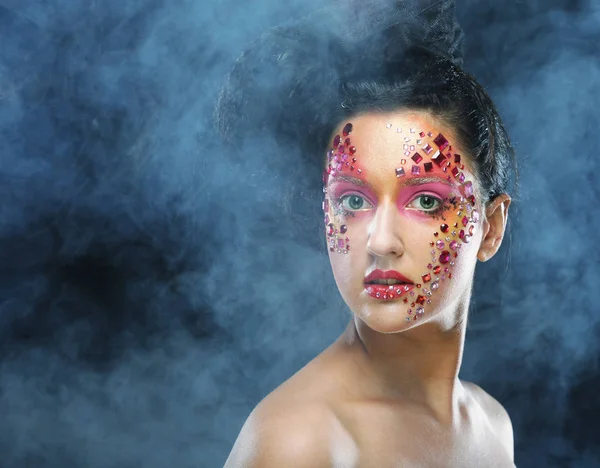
[389, 317]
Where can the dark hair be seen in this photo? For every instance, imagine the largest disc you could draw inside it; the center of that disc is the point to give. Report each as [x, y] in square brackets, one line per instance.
[295, 85]
[452, 95]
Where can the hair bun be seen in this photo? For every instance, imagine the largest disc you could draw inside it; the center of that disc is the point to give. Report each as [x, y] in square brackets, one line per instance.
[389, 29]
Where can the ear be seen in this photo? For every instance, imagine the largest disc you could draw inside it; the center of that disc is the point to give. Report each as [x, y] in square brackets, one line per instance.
[494, 224]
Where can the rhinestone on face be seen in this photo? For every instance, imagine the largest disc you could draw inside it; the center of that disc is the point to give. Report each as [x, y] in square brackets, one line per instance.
[352, 149]
[469, 189]
[445, 257]
[336, 141]
[417, 158]
[426, 278]
[437, 270]
[440, 244]
[457, 158]
[444, 228]
[465, 221]
[343, 229]
[420, 311]
[475, 216]
[454, 245]
[427, 148]
[420, 300]
[403, 161]
[347, 129]
[441, 142]
[455, 171]
[435, 285]
[439, 159]
[428, 167]
[429, 134]
[412, 147]
[400, 172]
[407, 139]
[416, 170]
[405, 147]
[422, 134]
[389, 125]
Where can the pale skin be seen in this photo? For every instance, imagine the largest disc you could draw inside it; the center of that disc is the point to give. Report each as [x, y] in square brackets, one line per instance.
[386, 393]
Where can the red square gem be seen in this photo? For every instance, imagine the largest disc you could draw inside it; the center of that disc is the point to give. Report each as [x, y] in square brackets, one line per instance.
[441, 141]
[417, 158]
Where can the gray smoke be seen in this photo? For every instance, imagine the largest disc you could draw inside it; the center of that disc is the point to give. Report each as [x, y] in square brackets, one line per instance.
[152, 291]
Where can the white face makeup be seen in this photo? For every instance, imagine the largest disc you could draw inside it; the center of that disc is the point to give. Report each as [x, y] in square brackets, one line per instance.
[399, 206]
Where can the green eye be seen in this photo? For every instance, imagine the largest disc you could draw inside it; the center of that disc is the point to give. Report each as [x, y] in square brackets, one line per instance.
[352, 202]
[427, 202]
[355, 202]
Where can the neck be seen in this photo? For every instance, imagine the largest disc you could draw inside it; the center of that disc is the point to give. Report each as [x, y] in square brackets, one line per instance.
[419, 365]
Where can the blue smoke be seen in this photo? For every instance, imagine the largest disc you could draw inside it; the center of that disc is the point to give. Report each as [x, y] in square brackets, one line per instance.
[151, 293]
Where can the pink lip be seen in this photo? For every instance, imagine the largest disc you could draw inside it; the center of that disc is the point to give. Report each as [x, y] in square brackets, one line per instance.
[390, 274]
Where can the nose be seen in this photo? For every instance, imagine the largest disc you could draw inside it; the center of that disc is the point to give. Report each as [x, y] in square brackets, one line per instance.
[384, 236]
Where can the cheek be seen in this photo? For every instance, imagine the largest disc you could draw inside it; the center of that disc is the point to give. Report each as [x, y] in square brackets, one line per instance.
[336, 231]
[448, 243]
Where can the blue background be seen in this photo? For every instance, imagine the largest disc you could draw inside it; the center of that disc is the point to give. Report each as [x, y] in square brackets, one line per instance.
[150, 292]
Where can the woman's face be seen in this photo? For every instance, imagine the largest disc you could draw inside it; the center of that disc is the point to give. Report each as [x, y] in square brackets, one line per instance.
[400, 196]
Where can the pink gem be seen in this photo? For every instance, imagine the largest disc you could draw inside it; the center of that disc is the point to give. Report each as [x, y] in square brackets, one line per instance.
[341, 243]
[347, 129]
[445, 257]
[427, 148]
[352, 149]
[440, 244]
[455, 171]
[422, 134]
[359, 170]
[336, 141]
[416, 170]
[475, 216]
[469, 189]
[461, 234]
[454, 245]
[330, 230]
[430, 266]
[417, 158]
[465, 221]
[439, 159]
[441, 141]
[457, 158]
[343, 228]
[429, 134]
[461, 178]
[471, 228]
[400, 172]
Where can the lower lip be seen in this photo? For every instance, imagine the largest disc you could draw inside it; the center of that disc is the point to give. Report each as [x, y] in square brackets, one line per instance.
[388, 292]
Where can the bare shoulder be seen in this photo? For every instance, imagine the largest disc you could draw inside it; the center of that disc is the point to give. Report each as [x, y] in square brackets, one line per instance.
[497, 414]
[276, 435]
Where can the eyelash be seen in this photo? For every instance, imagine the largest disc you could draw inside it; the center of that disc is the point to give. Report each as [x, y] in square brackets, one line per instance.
[433, 213]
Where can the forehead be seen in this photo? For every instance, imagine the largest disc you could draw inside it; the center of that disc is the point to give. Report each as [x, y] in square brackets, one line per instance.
[384, 131]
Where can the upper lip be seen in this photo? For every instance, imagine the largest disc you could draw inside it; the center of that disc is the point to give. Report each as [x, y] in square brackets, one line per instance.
[389, 274]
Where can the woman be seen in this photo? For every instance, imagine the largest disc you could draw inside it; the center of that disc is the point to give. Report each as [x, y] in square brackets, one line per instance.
[416, 169]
